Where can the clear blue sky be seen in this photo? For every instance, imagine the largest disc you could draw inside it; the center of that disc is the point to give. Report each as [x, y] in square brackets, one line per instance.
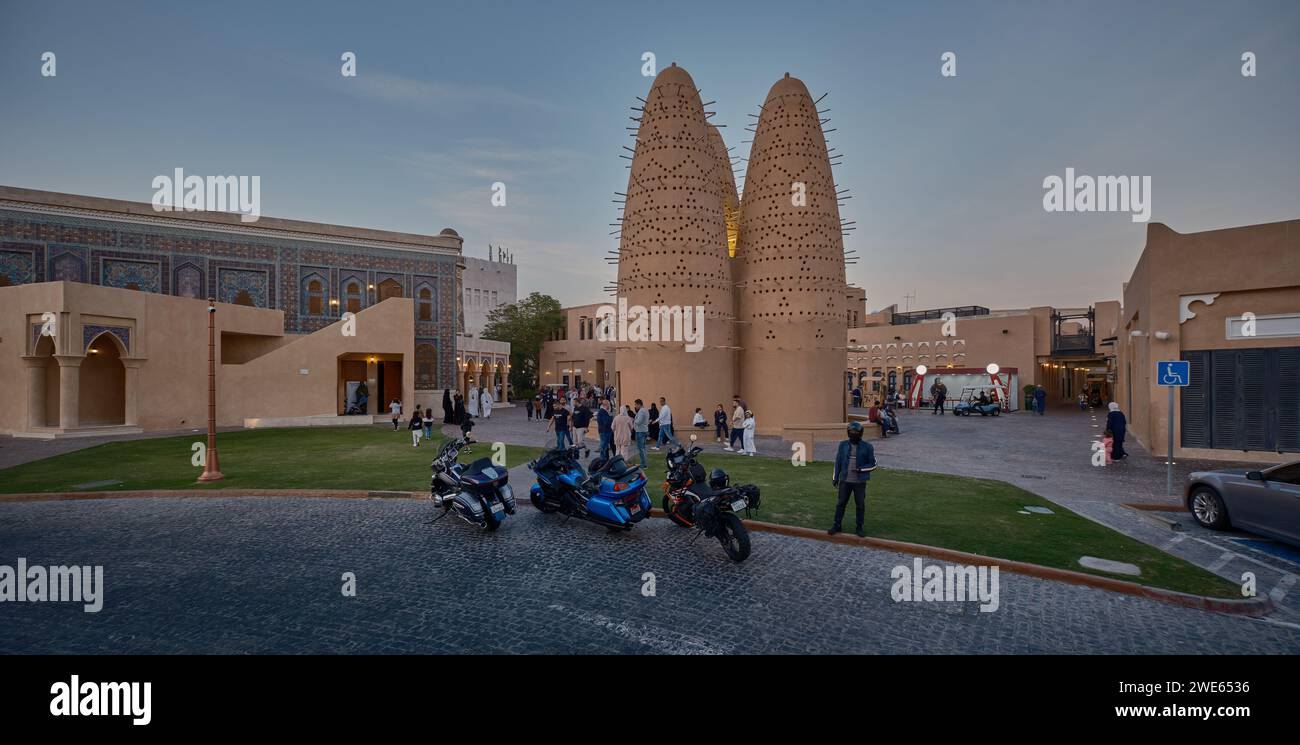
[946, 173]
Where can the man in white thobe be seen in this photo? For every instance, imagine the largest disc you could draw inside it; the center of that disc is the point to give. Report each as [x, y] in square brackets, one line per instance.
[473, 401]
[485, 402]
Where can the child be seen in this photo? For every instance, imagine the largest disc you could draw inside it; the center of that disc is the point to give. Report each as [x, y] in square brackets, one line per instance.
[697, 421]
[749, 433]
[417, 426]
[396, 408]
[1108, 442]
[428, 424]
[720, 432]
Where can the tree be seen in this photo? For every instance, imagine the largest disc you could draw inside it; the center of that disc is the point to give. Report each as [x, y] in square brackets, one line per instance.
[525, 324]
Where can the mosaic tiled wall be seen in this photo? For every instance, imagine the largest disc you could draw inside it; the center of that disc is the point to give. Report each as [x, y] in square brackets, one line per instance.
[262, 271]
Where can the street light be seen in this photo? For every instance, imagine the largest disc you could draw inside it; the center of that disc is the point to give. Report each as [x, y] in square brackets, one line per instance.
[211, 468]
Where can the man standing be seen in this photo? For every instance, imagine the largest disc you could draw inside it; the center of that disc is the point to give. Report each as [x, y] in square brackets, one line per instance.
[938, 392]
[640, 427]
[605, 428]
[581, 419]
[560, 422]
[853, 465]
[665, 422]
[737, 425]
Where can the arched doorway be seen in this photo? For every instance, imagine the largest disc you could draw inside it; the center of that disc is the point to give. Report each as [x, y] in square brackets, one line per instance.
[469, 379]
[102, 395]
[47, 414]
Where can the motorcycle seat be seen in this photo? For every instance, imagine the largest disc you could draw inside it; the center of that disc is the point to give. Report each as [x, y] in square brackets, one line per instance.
[617, 468]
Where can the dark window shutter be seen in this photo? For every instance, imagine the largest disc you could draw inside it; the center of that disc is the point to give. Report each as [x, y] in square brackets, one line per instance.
[1224, 394]
[1197, 422]
[1251, 365]
[1288, 399]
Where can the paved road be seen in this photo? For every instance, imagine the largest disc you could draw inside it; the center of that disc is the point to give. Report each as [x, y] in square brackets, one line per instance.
[225, 575]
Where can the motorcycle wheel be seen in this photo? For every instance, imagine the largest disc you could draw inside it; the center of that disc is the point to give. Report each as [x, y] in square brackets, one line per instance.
[540, 503]
[489, 524]
[734, 537]
[672, 515]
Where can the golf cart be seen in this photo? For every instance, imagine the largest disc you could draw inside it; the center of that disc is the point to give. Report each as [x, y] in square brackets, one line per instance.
[970, 402]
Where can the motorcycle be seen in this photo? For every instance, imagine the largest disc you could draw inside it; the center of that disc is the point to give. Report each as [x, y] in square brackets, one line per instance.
[479, 493]
[709, 505]
[611, 493]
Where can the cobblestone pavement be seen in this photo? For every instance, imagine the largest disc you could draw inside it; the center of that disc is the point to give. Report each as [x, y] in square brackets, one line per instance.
[1049, 456]
[229, 575]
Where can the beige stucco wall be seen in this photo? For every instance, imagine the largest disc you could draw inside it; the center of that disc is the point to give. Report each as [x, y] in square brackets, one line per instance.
[983, 342]
[163, 373]
[1256, 268]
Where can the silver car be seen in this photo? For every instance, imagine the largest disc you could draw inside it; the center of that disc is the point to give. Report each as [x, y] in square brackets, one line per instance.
[1265, 502]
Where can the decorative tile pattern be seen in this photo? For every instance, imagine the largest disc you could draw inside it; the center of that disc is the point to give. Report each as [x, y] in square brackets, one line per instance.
[131, 275]
[67, 267]
[123, 334]
[17, 268]
[243, 286]
[189, 281]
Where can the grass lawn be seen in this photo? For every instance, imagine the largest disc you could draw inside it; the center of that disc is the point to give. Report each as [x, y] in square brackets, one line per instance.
[974, 515]
[353, 458]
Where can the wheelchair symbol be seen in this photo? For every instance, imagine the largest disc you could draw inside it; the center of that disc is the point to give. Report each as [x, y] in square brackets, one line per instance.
[1171, 377]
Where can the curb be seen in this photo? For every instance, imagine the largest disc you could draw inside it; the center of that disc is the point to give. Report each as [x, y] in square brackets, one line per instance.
[1257, 606]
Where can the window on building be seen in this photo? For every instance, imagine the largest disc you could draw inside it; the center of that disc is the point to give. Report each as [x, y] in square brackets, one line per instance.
[494, 299]
[582, 328]
[315, 294]
[425, 304]
[352, 296]
[389, 288]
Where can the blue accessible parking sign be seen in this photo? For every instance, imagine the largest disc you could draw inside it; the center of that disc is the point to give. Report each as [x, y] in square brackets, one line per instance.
[1173, 373]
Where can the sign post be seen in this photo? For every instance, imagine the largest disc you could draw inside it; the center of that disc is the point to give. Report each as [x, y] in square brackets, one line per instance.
[1172, 374]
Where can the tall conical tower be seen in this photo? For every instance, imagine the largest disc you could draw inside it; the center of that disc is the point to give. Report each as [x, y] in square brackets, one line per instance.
[673, 253]
[790, 269]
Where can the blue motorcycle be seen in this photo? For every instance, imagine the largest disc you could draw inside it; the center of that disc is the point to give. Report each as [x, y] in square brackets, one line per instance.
[611, 493]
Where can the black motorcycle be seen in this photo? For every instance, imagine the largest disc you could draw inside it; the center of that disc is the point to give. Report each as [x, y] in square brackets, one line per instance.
[710, 505]
[479, 492]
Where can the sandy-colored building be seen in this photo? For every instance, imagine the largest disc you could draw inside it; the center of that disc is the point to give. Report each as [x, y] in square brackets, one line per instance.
[1068, 351]
[574, 356]
[86, 360]
[1227, 301]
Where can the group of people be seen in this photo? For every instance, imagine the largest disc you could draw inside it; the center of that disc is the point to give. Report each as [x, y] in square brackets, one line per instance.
[621, 427]
[420, 424]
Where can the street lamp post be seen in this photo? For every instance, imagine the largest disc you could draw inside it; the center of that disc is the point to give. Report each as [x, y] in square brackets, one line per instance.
[211, 468]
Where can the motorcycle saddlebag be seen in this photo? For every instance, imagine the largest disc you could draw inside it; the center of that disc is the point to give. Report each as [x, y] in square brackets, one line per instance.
[706, 517]
[469, 505]
[750, 493]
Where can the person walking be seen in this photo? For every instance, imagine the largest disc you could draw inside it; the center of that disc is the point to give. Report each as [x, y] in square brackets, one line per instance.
[473, 401]
[485, 403]
[528, 408]
[448, 412]
[857, 396]
[737, 441]
[560, 423]
[458, 410]
[1040, 399]
[581, 420]
[640, 428]
[395, 408]
[665, 422]
[1083, 402]
[939, 394]
[622, 427]
[605, 429]
[854, 462]
[428, 424]
[654, 424]
[416, 426]
[1118, 426]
